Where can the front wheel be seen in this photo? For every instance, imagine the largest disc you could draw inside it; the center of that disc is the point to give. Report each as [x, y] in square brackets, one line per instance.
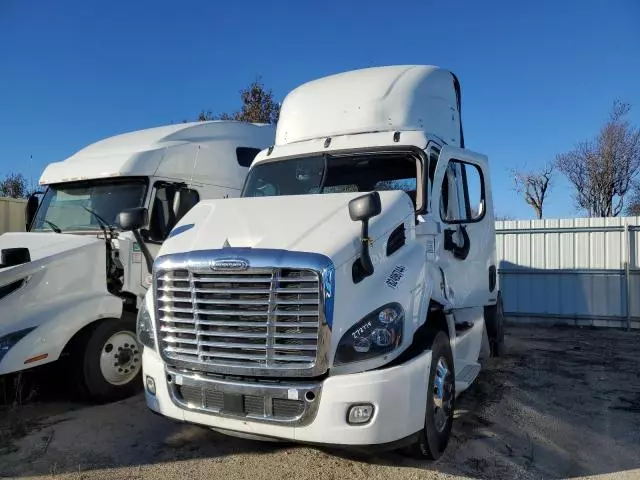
[441, 394]
[112, 361]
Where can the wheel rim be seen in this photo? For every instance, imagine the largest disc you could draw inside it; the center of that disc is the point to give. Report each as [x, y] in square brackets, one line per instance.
[120, 358]
[442, 394]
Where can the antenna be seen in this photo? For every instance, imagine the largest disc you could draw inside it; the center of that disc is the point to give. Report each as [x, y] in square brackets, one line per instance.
[31, 174]
[195, 162]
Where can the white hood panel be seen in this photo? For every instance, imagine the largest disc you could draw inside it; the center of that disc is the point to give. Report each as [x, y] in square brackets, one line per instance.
[45, 244]
[303, 223]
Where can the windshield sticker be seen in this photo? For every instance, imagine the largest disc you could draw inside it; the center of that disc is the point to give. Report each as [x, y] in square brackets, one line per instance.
[396, 277]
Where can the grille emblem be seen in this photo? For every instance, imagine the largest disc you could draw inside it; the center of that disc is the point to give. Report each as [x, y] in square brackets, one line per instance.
[229, 265]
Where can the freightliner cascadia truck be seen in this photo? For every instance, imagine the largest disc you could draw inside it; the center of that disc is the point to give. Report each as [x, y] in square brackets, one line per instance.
[350, 293]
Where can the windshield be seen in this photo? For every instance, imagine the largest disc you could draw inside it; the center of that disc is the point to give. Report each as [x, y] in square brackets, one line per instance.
[333, 174]
[74, 206]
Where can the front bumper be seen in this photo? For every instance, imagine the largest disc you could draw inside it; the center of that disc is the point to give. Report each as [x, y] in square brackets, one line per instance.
[398, 394]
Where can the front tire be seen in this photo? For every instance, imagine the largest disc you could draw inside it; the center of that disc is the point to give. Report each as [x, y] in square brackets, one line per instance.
[441, 392]
[112, 361]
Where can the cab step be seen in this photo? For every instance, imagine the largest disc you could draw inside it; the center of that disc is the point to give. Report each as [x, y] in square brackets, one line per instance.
[466, 376]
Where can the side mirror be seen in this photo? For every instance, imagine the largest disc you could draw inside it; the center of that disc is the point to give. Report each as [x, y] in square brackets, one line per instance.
[362, 209]
[133, 218]
[30, 210]
[10, 257]
[365, 207]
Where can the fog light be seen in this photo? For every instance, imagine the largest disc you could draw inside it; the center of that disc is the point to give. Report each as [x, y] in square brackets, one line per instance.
[360, 414]
[151, 385]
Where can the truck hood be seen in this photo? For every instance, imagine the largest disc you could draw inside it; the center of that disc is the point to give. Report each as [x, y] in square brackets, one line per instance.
[304, 223]
[45, 249]
[44, 244]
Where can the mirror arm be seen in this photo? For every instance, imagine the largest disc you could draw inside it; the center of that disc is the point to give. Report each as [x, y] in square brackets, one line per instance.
[365, 257]
[144, 249]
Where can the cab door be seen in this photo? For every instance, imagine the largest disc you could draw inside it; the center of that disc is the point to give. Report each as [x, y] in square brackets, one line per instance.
[170, 202]
[461, 201]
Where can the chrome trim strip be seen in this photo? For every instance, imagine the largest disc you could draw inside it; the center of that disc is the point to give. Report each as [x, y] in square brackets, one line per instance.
[268, 391]
[261, 261]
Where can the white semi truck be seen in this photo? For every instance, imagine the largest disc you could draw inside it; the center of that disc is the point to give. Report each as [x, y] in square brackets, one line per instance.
[71, 285]
[351, 293]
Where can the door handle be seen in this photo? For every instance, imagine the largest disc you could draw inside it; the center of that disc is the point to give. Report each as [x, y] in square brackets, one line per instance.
[459, 251]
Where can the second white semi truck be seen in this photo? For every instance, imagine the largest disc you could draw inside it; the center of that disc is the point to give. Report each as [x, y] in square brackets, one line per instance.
[351, 293]
[70, 286]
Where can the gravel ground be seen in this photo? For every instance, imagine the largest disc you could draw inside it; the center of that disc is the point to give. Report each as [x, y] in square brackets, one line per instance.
[562, 403]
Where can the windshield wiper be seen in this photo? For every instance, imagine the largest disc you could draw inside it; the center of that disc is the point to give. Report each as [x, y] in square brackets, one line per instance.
[103, 223]
[53, 226]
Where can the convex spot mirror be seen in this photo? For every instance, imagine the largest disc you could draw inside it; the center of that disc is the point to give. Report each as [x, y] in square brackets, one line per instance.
[365, 207]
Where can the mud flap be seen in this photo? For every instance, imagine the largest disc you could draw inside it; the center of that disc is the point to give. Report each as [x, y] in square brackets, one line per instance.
[485, 347]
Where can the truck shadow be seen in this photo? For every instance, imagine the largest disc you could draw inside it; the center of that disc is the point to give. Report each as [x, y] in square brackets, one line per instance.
[562, 403]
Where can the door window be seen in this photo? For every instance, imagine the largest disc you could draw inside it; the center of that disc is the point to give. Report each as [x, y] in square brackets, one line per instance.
[462, 199]
[170, 204]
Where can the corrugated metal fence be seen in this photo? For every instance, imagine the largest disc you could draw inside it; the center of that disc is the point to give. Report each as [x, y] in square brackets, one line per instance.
[578, 271]
[11, 215]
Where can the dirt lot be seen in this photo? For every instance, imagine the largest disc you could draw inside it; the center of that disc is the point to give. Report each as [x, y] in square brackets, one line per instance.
[563, 403]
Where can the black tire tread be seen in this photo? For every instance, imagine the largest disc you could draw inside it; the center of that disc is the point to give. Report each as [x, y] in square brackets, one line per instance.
[431, 443]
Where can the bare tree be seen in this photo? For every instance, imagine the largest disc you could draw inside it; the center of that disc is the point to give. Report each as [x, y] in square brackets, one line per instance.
[602, 169]
[205, 116]
[534, 186]
[14, 185]
[633, 208]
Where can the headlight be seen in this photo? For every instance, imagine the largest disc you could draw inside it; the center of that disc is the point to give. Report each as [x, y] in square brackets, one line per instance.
[378, 333]
[11, 339]
[144, 327]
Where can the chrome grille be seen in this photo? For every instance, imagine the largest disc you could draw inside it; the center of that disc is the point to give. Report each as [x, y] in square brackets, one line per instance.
[255, 320]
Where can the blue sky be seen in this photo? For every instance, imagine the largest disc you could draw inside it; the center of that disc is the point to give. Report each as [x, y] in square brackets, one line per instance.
[536, 77]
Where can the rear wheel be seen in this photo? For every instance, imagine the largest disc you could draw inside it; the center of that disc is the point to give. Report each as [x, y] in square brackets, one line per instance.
[441, 391]
[112, 361]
